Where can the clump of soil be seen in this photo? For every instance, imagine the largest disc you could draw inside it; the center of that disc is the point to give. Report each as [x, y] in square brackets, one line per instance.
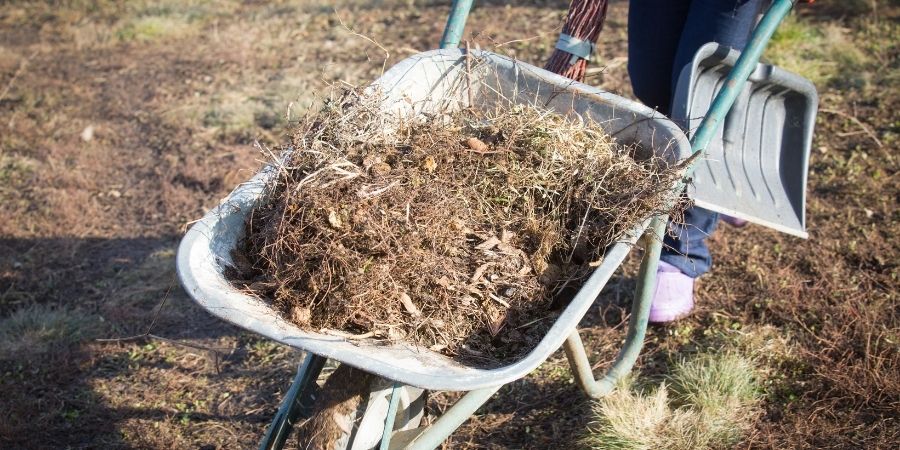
[462, 232]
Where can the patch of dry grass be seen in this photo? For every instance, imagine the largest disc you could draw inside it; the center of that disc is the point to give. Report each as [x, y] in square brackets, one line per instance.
[38, 328]
[708, 401]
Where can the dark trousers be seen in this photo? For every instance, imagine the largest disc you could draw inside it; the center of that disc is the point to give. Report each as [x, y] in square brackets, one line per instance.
[663, 36]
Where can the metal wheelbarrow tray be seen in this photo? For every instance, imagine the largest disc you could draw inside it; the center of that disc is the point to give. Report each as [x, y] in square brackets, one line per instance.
[430, 81]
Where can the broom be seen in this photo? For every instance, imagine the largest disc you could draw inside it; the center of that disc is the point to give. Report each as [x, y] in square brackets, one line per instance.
[578, 38]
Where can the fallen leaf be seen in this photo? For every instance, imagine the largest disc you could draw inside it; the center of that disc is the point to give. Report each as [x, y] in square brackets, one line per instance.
[300, 315]
[430, 164]
[334, 219]
[495, 324]
[480, 271]
[477, 145]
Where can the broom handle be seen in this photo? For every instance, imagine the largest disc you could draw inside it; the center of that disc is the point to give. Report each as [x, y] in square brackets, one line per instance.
[734, 82]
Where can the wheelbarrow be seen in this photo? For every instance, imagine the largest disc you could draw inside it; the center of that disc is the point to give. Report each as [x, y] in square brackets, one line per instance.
[394, 378]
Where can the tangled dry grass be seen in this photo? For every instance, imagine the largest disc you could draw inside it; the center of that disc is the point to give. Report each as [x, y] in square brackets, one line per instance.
[459, 231]
[710, 401]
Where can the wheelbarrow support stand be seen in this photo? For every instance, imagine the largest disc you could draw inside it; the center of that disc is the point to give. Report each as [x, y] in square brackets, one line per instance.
[637, 325]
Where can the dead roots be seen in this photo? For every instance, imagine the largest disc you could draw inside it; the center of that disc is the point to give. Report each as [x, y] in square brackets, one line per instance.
[455, 231]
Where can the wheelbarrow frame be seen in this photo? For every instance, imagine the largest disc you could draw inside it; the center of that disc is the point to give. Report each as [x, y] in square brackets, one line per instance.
[297, 401]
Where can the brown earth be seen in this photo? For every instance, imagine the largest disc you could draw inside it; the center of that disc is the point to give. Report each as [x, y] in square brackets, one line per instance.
[123, 121]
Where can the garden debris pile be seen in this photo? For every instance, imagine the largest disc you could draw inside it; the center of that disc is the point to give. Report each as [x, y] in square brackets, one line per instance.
[462, 232]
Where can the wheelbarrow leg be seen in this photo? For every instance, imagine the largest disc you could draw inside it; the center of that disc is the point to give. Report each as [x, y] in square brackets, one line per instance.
[296, 403]
[432, 436]
[637, 325]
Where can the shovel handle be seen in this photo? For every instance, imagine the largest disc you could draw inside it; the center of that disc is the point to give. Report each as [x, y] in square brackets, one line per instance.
[456, 23]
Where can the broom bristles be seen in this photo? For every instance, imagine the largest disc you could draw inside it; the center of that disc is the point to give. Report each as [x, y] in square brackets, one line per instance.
[584, 21]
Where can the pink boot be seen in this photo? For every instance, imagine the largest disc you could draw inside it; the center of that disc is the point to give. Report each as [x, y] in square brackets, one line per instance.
[733, 221]
[674, 295]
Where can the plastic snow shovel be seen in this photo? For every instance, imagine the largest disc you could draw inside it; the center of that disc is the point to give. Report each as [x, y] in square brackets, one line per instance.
[756, 164]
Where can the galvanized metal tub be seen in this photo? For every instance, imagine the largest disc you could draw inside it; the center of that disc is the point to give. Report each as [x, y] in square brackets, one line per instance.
[430, 81]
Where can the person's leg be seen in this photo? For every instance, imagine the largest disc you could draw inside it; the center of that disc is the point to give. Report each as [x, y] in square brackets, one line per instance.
[685, 245]
[727, 22]
[654, 33]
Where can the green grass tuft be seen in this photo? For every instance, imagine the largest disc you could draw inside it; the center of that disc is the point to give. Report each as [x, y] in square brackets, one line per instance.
[722, 390]
[824, 54]
[151, 28]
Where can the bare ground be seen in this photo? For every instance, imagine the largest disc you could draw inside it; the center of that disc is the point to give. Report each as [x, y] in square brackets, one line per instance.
[122, 122]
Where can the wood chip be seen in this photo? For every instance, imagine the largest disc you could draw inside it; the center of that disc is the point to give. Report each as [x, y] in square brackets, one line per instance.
[395, 334]
[381, 169]
[409, 305]
[508, 249]
[488, 244]
[480, 271]
[476, 145]
[334, 219]
[444, 282]
[346, 335]
[499, 300]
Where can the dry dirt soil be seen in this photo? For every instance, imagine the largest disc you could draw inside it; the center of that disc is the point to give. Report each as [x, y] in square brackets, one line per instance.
[121, 122]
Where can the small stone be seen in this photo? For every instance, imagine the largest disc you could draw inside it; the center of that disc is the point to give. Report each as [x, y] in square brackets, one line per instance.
[87, 134]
